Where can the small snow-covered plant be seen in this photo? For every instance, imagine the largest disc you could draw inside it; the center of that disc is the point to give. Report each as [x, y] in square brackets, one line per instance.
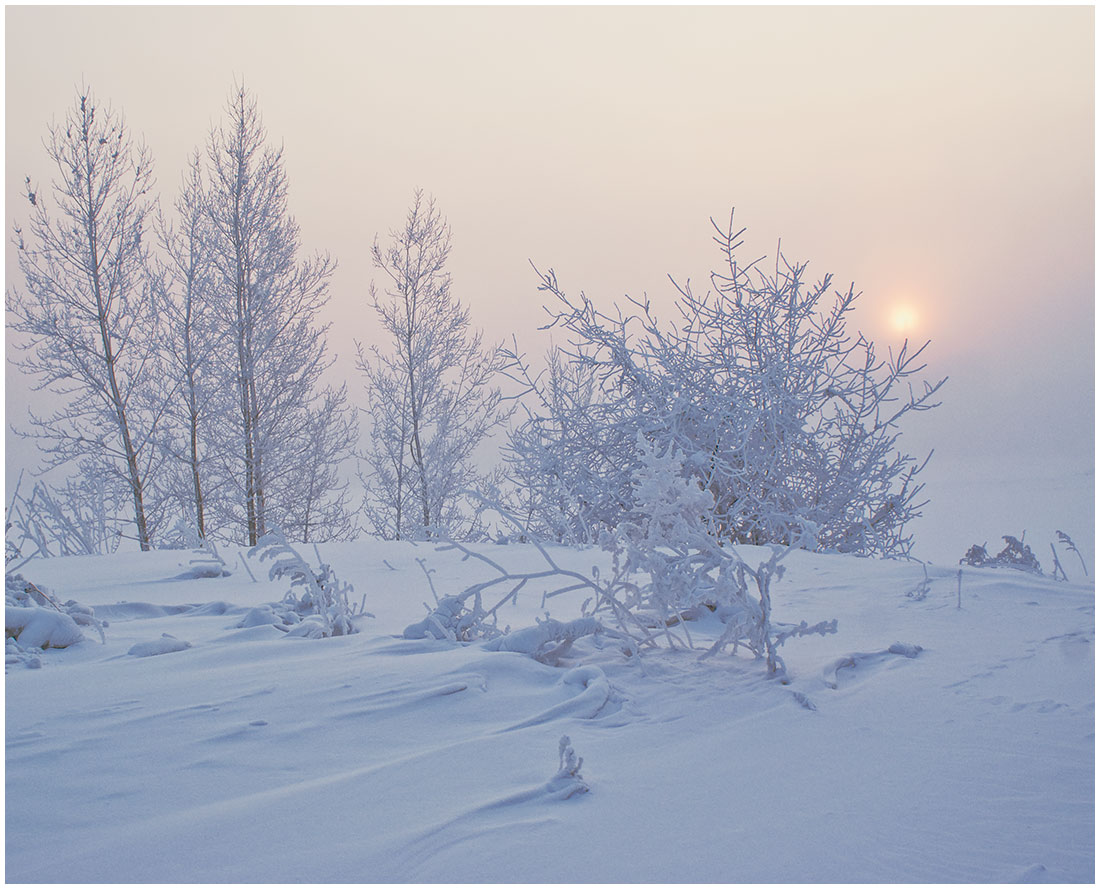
[459, 618]
[977, 556]
[319, 592]
[920, 591]
[205, 559]
[1059, 572]
[1016, 554]
[1067, 541]
[183, 535]
[78, 518]
[568, 780]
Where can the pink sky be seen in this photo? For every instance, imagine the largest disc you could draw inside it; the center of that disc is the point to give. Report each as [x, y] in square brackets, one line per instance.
[941, 158]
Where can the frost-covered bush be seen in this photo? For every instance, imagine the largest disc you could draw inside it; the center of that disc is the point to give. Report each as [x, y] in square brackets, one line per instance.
[462, 617]
[671, 547]
[319, 596]
[667, 566]
[569, 462]
[790, 422]
[74, 519]
[205, 560]
[1016, 554]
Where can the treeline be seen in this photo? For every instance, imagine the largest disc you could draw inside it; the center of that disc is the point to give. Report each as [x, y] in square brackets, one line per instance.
[189, 351]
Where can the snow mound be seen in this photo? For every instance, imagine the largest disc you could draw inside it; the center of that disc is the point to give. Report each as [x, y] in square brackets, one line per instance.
[41, 627]
[986, 736]
[164, 645]
[258, 617]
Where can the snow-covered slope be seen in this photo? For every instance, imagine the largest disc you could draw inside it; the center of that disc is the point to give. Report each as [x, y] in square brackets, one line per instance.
[250, 756]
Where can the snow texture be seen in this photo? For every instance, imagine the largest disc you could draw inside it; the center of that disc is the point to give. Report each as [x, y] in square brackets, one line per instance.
[164, 645]
[921, 742]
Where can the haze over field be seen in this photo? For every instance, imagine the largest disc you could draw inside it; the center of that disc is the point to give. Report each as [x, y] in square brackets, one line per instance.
[940, 158]
[687, 625]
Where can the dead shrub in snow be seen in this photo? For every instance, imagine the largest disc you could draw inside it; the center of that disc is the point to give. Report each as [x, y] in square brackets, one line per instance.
[1016, 554]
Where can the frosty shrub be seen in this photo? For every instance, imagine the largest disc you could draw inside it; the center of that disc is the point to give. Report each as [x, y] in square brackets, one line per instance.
[787, 420]
[670, 544]
[76, 519]
[570, 461]
[1016, 554]
[667, 567]
[318, 593]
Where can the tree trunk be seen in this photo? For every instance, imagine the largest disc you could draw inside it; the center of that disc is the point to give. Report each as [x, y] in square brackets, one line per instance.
[117, 403]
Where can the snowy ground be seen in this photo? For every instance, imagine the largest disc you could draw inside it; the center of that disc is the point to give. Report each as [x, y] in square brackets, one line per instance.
[255, 757]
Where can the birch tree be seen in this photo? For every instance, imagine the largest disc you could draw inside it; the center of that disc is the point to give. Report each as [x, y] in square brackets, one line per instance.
[86, 309]
[430, 392]
[190, 339]
[268, 301]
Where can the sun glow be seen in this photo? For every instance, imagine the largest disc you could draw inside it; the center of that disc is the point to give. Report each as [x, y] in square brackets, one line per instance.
[903, 318]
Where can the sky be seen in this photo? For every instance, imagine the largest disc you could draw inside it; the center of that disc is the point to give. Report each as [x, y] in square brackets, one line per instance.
[941, 158]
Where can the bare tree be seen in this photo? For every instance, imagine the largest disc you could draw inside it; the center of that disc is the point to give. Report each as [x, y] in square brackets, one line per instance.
[190, 340]
[314, 499]
[87, 310]
[268, 301]
[431, 395]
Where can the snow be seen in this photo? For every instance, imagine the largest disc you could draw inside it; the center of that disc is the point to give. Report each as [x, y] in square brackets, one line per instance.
[922, 742]
[41, 627]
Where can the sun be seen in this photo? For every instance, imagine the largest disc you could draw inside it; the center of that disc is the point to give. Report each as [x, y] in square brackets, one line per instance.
[904, 318]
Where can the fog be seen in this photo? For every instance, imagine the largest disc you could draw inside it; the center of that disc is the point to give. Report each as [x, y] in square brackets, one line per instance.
[940, 158]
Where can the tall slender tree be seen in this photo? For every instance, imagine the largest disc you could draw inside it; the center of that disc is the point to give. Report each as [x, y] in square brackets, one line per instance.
[190, 341]
[87, 310]
[431, 394]
[268, 301]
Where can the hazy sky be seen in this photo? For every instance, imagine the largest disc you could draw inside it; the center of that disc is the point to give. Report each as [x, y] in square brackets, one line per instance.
[941, 158]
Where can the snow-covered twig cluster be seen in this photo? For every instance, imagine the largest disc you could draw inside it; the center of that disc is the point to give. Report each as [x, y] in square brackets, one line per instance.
[75, 519]
[1070, 546]
[319, 594]
[667, 565]
[568, 780]
[1016, 554]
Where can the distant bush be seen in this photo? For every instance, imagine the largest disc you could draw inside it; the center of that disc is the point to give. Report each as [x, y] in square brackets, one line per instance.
[1016, 554]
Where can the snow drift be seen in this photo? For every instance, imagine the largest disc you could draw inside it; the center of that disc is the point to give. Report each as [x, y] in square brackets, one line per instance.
[921, 742]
